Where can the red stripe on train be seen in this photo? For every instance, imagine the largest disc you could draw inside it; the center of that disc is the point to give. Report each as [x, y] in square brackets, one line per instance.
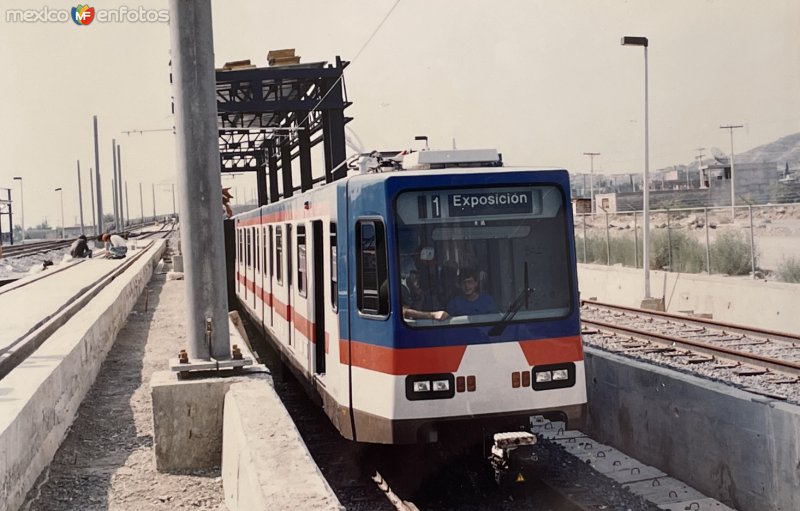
[552, 351]
[436, 359]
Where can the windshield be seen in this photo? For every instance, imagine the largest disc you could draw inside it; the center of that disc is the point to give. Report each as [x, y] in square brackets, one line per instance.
[469, 256]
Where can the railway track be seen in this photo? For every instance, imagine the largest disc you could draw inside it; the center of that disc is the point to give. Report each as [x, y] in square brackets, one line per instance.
[12, 251]
[758, 360]
[42, 247]
[386, 477]
[15, 350]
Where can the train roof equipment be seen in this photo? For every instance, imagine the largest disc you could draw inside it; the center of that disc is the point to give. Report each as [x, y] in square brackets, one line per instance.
[384, 161]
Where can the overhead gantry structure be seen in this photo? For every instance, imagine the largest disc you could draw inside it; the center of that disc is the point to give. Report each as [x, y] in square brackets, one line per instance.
[269, 117]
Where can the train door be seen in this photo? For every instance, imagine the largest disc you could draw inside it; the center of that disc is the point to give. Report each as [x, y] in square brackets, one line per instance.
[257, 273]
[262, 258]
[239, 266]
[246, 262]
[271, 275]
[251, 268]
[317, 266]
[289, 288]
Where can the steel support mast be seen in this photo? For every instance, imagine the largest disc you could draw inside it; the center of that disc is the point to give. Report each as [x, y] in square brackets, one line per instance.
[198, 179]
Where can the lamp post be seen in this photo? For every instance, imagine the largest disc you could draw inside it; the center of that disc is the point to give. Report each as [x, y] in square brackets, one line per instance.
[642, 41]
[61, 193]
[730, 128]
[21, 209]
[591, 178]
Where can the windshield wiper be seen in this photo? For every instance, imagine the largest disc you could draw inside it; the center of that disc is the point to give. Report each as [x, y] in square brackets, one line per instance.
[516, 305]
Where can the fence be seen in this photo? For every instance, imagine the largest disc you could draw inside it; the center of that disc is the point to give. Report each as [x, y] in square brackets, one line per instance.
[762, 241]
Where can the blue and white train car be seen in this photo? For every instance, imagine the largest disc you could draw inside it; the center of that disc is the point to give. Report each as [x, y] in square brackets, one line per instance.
[352, 282]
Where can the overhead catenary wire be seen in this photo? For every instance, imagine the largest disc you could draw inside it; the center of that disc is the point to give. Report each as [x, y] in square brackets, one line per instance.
[352, 61]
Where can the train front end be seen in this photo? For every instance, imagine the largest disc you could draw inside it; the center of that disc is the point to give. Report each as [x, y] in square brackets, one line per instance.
[465, 313]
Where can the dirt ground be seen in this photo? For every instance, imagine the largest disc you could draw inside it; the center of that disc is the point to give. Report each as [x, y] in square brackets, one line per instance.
[107, 459]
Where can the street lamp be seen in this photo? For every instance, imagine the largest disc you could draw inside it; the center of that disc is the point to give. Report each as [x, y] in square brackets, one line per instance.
[62, 210]
[642, 41]
[21, 208]
[591, 180]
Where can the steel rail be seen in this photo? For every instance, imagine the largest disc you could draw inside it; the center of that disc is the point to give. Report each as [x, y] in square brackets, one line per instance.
[14, 251]
[773, 335]
[18, 350]
[701, 347]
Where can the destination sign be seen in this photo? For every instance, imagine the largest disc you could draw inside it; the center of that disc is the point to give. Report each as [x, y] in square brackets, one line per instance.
[493, 203]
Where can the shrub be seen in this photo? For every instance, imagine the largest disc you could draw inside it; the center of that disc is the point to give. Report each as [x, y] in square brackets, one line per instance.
[730, 254]
[621, 248]
[685, 255]
[789, 270]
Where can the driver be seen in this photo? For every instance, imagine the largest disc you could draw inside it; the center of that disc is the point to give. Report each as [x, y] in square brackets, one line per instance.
[471, 300]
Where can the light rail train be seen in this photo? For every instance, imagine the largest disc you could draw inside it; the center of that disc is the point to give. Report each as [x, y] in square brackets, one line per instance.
[362, 286]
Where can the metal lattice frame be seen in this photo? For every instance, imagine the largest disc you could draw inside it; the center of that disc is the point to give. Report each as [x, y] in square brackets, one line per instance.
[268, 117]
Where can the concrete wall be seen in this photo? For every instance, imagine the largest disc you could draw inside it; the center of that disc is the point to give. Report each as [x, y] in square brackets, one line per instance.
[265, 463]
[740, 300]
[736, 447]
[39, 398]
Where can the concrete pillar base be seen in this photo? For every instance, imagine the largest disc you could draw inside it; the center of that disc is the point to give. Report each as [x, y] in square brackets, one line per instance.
[655, 304]
[187, 419]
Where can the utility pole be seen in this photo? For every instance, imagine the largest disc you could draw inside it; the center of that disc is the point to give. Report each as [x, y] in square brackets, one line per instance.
[80, 195]
[91, 192]
[97, 180]
[730, 128]
[127, 204]
[123, 214]
[114, 184]
[141, 205]
[591, 179]
[699, 159]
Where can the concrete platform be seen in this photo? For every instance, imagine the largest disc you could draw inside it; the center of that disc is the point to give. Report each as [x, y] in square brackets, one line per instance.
[39, 398]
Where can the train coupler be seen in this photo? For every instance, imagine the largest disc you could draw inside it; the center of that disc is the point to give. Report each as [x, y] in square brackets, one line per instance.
[510, 454]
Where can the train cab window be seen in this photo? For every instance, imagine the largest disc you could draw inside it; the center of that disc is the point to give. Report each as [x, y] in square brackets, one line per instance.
[334, 268]
[279, 255]
[301, 260]
[372, 294]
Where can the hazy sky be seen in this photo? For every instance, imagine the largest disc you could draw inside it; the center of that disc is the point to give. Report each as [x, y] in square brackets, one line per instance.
[541, 81]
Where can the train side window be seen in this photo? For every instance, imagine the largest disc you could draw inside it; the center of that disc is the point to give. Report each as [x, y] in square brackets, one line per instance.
[271, 258]
[257, 248]
[301, 260]
[249, 249]
[239, 245]
[264, 253]
[289, 254]
[279, 255]
[334, 269]
[371, 270]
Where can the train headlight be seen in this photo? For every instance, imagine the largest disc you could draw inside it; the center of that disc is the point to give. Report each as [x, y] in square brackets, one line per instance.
[422, 386]
[560, 374]
[430, 386]
[555, 376]
[441, 386]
